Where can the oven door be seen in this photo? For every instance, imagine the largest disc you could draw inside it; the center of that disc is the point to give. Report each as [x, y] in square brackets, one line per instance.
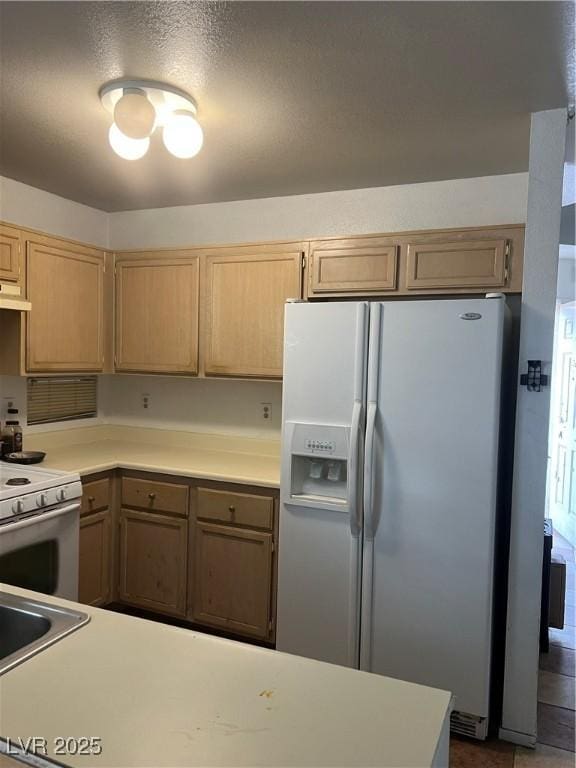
[41, 552]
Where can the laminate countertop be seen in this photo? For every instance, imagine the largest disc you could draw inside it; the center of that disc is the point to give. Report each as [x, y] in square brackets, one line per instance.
[157, 695]
[226, 458]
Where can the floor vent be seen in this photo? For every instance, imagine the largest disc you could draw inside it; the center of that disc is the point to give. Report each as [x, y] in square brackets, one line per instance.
[469, 725]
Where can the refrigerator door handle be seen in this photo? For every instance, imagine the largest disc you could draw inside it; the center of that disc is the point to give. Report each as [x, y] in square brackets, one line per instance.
[355, 508]
[353, 505]
[368, 460]
[371, 413]
[368, 548]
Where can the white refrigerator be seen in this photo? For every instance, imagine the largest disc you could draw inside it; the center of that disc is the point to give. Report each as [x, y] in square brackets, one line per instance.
[389, 490]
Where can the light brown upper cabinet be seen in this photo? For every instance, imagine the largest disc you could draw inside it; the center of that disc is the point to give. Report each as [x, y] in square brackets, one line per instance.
[65, 328]
[352, 266]
[244, 293]
[157, 313]
[434, 262]
[457, 264]
[10, 254]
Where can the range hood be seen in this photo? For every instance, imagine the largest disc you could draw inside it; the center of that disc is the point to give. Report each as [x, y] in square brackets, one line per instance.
[10, 298]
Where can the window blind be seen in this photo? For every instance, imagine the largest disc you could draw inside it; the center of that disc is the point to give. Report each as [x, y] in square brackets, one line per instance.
[61, 399]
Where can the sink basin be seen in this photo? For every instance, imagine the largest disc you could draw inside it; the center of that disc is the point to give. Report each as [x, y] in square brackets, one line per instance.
[29, 626]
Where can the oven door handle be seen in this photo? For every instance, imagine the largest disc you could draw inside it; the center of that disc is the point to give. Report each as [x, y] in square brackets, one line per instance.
[36, 519]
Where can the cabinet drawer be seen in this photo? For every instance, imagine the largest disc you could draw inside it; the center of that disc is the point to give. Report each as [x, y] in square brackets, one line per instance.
[237, 508]
[95, 496]
[155, 496]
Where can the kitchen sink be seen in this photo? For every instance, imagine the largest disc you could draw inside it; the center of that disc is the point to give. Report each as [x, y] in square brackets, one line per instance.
[29, 626]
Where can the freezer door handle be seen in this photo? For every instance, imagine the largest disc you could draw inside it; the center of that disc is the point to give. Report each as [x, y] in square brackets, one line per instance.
[353, 505]
[371, 414]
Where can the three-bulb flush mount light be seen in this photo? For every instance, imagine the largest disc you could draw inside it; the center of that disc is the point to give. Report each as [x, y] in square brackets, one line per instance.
[141, 106]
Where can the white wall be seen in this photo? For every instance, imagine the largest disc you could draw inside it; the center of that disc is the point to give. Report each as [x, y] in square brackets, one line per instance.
[547, 140]
[456, 203]
[30, 207]
[198, 405]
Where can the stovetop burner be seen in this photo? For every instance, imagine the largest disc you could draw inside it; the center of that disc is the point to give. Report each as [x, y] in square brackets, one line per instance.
[17, 481]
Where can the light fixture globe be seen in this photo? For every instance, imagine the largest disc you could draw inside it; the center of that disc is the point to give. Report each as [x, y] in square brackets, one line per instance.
[182, 135]
[124, 146]
[139, 107]
[134, 114]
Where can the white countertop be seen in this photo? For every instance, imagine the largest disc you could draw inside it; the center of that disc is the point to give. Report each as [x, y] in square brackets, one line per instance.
[226, 458]
[164, 696]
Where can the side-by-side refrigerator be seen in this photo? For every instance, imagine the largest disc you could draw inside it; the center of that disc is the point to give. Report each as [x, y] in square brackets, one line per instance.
[389, 490]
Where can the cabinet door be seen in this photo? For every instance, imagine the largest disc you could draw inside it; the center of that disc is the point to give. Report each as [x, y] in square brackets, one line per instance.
[65, 326]
[233, 579]
[10, 253]
[153, 552]
[244, 311]
[357, 266]
[157, 315]
[457, 264]
[94, 565]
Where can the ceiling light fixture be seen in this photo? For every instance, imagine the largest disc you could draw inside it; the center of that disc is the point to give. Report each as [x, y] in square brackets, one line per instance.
[139, 107]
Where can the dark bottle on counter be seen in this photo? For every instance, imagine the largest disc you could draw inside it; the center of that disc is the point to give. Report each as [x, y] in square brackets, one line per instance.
[12, 433]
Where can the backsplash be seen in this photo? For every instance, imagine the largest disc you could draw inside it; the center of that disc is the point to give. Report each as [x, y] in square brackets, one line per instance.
[13, 391]
[198, 405]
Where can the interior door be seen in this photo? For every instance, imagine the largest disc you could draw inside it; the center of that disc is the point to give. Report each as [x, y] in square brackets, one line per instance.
[562, 488]
[430, 494]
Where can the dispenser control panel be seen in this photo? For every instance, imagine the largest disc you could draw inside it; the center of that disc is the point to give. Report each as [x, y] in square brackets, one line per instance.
[322, 446]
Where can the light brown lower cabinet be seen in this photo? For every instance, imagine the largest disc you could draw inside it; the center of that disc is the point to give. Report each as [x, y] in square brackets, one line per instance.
[153, 561]
[95, 545]
[233, 579]
[94, 551]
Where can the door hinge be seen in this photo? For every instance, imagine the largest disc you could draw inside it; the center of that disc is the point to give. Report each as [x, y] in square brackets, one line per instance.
[303, 261]
[270, 626]
[507, 262]
[273, 547]
[534, 380]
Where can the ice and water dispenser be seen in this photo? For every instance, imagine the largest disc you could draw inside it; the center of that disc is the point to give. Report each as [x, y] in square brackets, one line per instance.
[318, 464]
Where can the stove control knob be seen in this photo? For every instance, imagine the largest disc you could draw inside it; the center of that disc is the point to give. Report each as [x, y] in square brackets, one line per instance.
[41, 500]
[61, 494]
[18, 507]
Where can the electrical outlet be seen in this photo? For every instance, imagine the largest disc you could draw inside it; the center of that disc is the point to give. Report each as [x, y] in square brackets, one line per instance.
[145, 400]
[266, 411]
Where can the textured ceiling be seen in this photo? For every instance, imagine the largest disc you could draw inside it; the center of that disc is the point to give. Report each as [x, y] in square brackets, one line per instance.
[294, 97]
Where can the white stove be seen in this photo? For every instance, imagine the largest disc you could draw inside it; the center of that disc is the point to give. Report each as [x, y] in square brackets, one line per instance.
[26, 489]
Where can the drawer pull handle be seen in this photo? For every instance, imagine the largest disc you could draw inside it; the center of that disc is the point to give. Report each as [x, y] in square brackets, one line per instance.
[151, 496]
[91, 499]
[232, 508]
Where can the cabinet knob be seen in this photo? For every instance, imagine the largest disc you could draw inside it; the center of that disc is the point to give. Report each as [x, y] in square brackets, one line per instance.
[232, 508]
[91, 499]
[151, 496]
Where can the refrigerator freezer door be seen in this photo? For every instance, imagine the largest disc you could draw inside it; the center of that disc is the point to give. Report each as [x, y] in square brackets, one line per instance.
[320, 546]
[427, 602]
